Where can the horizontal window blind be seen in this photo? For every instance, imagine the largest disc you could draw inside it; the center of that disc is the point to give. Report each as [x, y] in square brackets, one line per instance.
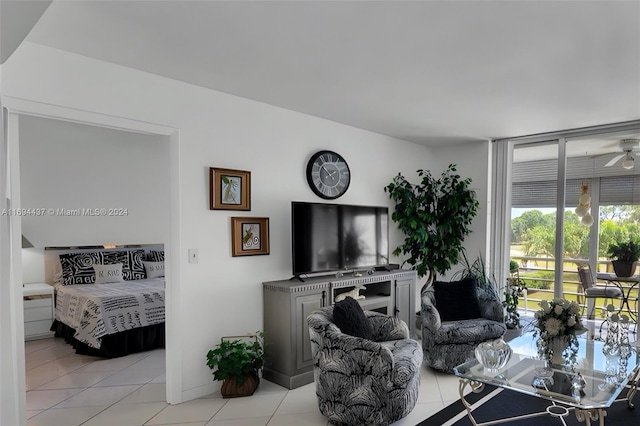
[620, 190]
[614, 190]
[544, 193]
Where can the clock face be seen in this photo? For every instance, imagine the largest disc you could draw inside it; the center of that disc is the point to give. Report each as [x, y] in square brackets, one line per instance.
[328, 174]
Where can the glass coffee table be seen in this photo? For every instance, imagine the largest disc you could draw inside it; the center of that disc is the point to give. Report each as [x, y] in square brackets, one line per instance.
[586, 385]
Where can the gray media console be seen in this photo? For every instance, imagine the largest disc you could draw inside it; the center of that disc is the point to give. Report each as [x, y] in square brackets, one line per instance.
[288, 303]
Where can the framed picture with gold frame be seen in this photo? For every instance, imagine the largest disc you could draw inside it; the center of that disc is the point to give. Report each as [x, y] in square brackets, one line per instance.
[229, 189]
[249, 236]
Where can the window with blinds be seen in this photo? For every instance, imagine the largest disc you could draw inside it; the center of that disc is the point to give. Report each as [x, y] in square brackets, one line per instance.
[614, 190]
[544, 193]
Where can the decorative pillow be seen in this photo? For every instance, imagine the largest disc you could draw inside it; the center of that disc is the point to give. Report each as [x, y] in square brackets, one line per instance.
[457, 300]
[57, 274]
[156, 256]
[111, 257]
[111, 273]
[154, 269]
[134, 269]
[77, 268]
[350, 318]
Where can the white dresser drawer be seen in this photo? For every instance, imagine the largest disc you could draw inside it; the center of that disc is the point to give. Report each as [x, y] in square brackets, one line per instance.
[38, 310]
[35, 329]
[38, 303]
[37, 314]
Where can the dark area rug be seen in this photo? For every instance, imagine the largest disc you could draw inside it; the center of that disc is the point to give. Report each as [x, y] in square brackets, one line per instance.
[509, 403]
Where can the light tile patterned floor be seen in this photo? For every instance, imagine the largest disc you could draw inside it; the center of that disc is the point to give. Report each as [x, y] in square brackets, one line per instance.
[66, 389]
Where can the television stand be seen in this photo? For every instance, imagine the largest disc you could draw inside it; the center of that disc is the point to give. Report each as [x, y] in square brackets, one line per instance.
[288, 303]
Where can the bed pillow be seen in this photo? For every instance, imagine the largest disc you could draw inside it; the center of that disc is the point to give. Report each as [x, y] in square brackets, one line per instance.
[111, 273]
[77, 268]
[154, 269]
[156, 256]
[351, 319]
[133, 268]
[57, 274]
[457, 300]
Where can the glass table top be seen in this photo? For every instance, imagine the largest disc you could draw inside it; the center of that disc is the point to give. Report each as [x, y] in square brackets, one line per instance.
[593, 380]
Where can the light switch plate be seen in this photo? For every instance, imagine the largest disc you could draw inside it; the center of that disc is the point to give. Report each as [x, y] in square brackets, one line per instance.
[193, 255]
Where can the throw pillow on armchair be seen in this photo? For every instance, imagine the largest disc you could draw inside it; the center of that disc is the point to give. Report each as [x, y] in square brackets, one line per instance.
[457, 300]
[350, 319]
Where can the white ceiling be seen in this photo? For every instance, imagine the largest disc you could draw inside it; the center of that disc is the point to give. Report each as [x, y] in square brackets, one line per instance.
[430, 72]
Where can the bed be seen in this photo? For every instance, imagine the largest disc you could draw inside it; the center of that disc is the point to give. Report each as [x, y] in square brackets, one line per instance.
[110, 302]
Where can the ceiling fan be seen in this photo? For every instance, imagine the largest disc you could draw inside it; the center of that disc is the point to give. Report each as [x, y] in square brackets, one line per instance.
[630, 148]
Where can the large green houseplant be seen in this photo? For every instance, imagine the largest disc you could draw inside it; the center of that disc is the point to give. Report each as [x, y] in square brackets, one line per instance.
[434, 215]
[624, 255]
[237, 361]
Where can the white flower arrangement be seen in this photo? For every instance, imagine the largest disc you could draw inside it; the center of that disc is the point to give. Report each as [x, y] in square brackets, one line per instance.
[558, 318]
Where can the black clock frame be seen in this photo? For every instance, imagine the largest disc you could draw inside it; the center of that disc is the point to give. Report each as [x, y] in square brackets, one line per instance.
[312, 185]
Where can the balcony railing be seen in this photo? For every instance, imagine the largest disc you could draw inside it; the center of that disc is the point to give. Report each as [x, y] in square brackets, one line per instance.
[538, 275]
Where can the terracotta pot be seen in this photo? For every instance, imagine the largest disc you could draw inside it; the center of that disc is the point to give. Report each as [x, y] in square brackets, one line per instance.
[231, 389]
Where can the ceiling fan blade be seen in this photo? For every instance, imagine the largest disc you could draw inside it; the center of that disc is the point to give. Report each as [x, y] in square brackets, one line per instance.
[614, 160]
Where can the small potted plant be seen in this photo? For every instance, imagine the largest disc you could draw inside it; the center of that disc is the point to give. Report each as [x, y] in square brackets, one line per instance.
[237, 361]
[478, 272]
[624, 256]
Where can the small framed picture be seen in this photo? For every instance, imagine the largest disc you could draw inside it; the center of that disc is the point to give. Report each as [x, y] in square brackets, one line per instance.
[229, 189]
[249, 236]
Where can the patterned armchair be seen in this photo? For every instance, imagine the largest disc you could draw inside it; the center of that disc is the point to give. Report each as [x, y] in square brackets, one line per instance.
[447, 344]
[360, 381]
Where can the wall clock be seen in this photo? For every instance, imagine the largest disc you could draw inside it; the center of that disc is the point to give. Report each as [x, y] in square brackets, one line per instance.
[328, 174]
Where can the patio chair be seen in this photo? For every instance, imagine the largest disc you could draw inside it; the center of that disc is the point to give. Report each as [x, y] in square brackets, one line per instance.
[592, 290]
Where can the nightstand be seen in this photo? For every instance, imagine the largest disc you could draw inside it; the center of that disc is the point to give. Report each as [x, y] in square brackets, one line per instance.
[38, 310]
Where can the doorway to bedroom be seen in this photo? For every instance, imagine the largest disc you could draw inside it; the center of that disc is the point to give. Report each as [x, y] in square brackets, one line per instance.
[71, 167]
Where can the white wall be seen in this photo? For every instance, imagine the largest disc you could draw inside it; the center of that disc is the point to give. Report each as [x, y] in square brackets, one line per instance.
[120, 176]
[472, 161]
[33, 265]
[218, 130]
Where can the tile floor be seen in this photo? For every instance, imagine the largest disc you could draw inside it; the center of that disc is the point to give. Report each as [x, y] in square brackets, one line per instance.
[66, 389]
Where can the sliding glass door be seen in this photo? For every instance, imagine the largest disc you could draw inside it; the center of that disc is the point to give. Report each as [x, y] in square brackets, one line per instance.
[534, 218]
[570, 197]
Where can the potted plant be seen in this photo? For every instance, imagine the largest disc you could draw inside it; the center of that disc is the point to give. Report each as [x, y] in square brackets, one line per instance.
[237, 361]
[514, 291]
[434, 215]
[478, 272]
[624, 256]
[513, 267]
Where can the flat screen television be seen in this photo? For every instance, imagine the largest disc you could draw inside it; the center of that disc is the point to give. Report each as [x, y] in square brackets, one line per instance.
[338, 237]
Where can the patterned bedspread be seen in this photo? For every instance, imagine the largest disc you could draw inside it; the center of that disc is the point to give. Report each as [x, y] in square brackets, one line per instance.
[96, 310]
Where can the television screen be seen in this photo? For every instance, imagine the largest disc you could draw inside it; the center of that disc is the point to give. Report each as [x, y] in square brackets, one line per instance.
[335, 237]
